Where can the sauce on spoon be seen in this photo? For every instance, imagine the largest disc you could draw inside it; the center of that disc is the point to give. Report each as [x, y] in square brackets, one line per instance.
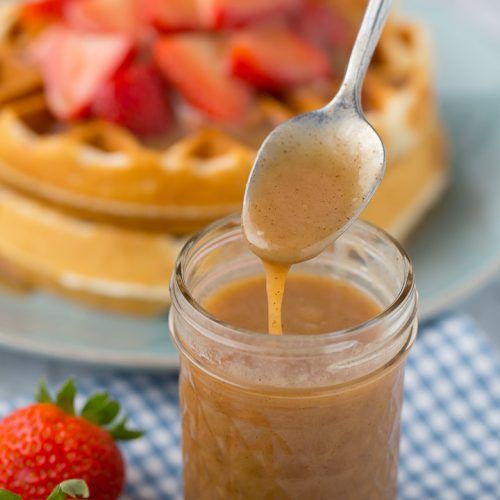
[306, 191]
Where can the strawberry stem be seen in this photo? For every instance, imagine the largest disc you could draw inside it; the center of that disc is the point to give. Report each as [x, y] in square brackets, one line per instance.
[120, 432]
[43, 395]
[65, 398]
[99, 409]
[7, 495]
[74, 488]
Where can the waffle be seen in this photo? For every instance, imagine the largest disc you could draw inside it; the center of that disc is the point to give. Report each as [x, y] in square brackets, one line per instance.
[103, 265]
[85, 208]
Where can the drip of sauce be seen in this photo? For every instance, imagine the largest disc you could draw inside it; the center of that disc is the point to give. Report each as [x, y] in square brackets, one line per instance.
[303, 194]
[275, 288]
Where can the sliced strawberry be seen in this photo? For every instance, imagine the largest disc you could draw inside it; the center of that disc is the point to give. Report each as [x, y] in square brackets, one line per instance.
[194, 64]
[135, 98]
[275, 59]
[75, 65]
[42, 9]
[236, 13]
[174, 15]
[322, 24]
[116, 16]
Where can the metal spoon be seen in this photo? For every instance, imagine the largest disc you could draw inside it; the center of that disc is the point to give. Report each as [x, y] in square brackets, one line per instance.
[289, 172]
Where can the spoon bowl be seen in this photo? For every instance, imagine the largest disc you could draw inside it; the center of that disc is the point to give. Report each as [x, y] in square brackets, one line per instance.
[315, 173]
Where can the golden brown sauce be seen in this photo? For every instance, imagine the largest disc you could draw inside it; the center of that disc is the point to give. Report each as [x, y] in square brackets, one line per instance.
[265, 442]
[276, 275]
[300, 198]
[311, 304]
[255, 444]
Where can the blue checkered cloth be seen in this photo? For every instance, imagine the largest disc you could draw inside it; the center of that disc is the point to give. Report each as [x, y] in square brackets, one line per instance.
[450, 446]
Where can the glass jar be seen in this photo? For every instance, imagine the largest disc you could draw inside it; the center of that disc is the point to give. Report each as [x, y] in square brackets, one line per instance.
[293, 416]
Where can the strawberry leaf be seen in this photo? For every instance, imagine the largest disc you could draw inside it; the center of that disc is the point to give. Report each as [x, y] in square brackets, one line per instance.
[100, 409]
[74, 488]
[43, 395]
[66, 397]
[120, 432]
[7, 495]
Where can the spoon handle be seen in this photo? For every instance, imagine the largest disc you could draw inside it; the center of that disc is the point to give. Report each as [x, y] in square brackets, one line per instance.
[374, 19]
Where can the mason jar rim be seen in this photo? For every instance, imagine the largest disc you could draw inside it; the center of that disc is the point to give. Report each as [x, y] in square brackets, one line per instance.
[240, 338]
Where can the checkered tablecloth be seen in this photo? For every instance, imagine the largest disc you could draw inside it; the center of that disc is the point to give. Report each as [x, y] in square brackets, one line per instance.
[450, 448]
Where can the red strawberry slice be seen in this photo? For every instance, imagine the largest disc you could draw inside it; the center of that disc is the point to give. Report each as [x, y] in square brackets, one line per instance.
[174, 15]
[236, 13]
[75, 65]
[42, 9]
[323, 25]
[275, 59]
[116, 16]
[136, 99]
[194, 64]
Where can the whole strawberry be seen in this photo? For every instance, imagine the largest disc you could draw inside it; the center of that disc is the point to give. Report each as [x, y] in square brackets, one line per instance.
[46, 443]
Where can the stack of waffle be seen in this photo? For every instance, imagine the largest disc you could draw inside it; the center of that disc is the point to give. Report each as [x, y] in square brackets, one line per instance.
[92, 212]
